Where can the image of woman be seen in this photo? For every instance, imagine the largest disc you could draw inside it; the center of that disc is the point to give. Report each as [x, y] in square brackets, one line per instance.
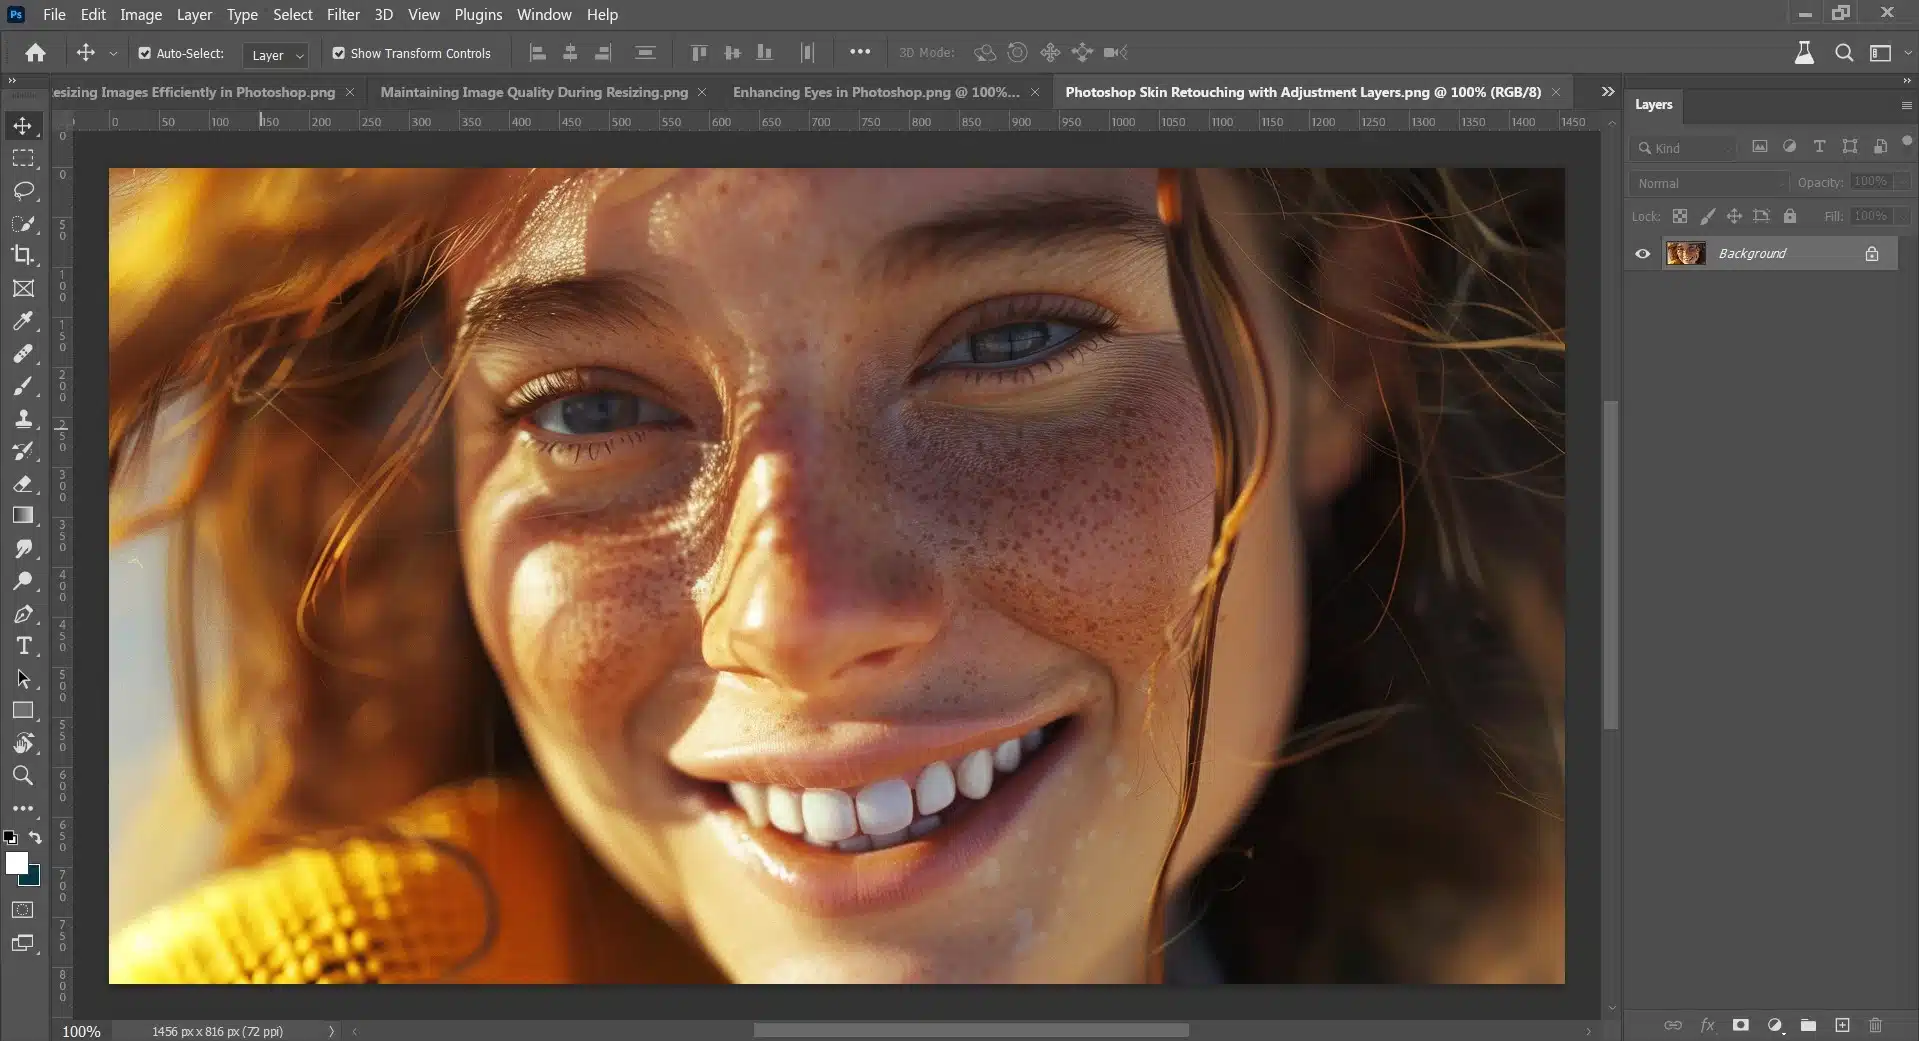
[855, 576]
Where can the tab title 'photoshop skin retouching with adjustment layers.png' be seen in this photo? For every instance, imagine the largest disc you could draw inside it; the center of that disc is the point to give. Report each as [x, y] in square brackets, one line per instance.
[863, 521]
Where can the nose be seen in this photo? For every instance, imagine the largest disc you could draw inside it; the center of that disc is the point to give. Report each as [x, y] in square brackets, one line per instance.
[821, 592]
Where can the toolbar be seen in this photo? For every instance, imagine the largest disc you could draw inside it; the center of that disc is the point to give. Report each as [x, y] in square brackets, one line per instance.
[318, 46]
[36, 479]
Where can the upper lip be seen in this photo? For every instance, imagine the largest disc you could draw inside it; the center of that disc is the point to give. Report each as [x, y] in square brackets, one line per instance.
[858, 754]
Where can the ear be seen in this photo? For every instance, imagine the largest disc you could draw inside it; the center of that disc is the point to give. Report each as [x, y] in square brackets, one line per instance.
[1354, 364]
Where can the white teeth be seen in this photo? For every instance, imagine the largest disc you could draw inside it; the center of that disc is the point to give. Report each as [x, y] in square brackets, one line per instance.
[976, 774]
[885, 813]
[1006, 756]
[829, 814]
[783, 809]
[752, 799]
[886, 807]
[935, 788]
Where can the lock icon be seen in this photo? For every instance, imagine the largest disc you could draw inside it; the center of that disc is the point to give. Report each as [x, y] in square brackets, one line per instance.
[1872, 253]
[1792, 216]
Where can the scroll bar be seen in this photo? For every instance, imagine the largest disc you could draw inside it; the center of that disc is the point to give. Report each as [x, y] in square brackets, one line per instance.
[1609, 563]
[969, 1030]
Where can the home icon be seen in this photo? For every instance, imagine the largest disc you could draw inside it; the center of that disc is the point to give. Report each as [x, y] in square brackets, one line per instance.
[35, 52]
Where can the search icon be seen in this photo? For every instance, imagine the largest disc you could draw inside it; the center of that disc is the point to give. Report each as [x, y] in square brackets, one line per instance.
[1645, 147]
[20, 774]
[1843, 52]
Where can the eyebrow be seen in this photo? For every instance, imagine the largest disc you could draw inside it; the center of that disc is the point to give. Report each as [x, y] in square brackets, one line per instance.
[1025, 222]
[523, 309]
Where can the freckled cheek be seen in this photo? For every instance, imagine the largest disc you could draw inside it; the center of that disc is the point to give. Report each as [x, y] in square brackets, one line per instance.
[1095, 543]
[581, 626]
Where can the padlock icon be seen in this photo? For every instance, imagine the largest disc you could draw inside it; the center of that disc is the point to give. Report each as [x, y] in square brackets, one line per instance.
[1792, 216]
[1872, 253]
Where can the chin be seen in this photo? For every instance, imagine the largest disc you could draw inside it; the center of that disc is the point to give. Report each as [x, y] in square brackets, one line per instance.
[827, 965]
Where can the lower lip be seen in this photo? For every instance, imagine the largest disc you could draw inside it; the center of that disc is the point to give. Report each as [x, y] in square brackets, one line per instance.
[829, 883]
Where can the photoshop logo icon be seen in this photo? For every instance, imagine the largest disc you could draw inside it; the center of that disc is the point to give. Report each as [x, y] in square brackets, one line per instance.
[16, 14]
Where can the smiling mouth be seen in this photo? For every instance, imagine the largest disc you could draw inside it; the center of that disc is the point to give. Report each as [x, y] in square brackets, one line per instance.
[890, 812]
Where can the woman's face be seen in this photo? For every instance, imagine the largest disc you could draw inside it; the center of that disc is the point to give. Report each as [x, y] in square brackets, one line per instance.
[825, 528]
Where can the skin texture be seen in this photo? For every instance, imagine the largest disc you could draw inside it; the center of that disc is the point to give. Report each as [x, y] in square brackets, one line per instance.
[827, 538]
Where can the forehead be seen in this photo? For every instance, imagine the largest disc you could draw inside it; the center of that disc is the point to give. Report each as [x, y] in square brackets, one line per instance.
[647, 220]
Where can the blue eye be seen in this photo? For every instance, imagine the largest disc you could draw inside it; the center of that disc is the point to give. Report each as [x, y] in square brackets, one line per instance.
[599, 412]
[1007, 345]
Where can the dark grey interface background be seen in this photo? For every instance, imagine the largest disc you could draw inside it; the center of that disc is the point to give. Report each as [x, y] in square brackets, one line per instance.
[1767, 718]
[1751, 438]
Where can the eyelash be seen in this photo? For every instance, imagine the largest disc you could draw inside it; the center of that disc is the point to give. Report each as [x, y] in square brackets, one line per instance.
[1095, 323]
[543, 390]
[1096, 327]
